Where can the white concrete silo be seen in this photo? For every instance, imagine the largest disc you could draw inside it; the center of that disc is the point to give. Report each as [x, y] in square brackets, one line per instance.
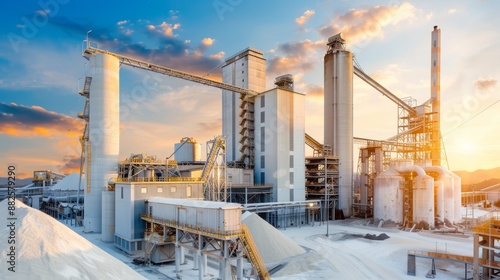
[388, 196]
[187, 150]
[457, 196]
[445, 198]
[104, 138]
[423, 197]
[338, 118]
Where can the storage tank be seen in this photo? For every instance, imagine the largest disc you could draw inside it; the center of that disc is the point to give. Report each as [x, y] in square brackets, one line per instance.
[388, 196]
[457, 196]
[338, 114]
[439, 199]
[423, 195]
[423, 199]
[187, 150]
[445, 199]
[104, 136]
[108, 214]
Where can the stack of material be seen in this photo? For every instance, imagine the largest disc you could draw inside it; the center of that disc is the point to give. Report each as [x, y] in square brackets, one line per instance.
[47, 249]
[274, 246]
[70, 182]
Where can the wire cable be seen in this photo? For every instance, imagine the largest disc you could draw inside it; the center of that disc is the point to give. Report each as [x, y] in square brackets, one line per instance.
[480, 112]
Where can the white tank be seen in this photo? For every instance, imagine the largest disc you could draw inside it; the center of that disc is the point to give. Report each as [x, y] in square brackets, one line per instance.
[423, 195]
[104, 135]
[457, 196]
[449, 198]
[190, 151]
[338, 117]
[423, 200]
[439, 199]
[108, 216]
[445, 197]
[388, 196]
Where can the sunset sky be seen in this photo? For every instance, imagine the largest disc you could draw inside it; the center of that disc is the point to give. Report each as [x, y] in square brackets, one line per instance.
[41, 69]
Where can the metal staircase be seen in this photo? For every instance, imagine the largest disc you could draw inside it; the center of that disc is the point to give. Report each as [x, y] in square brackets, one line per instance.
[253, 253]
[246, 131]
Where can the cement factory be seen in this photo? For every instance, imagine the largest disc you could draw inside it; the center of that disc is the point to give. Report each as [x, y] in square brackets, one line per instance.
[169, 208]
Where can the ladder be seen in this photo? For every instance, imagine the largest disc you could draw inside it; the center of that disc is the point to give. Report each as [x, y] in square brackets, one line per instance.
[253, 253]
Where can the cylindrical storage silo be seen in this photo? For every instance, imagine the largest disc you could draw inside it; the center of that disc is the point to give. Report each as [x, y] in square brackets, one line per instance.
[104, 135]
[149, 173]
[439, 199]
[449, 198]
[445, 198]
[108, 215]
[457, 196]
[388, 196]
[187, 152]
[338, 114]
[423, 200]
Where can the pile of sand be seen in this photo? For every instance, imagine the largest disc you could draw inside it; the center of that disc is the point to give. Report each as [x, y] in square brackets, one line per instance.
[273, 245]
[47, 249]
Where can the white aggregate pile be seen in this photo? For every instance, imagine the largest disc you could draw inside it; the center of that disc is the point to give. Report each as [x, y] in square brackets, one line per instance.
[273, 245]
[70, 182]
[47, 249]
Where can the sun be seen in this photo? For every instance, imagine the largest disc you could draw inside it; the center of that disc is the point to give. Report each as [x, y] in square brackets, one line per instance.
[468, 147]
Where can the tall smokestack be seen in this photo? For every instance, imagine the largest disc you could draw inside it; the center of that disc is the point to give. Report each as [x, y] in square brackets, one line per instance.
[435, 96]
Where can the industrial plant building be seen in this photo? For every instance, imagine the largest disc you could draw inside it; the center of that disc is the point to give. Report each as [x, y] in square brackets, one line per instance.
[259, 163]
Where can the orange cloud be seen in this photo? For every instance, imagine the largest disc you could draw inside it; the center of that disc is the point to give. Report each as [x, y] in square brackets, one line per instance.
[365, 24]
[297, 56]
[22, 121]
[486, 83]
[305, 17]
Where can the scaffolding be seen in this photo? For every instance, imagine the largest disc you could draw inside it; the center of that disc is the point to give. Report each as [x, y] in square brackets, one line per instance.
[322, 177]
[214, 173]
[486, 236]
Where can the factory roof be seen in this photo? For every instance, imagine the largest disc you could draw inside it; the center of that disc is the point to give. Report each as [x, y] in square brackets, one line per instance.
[196, 203]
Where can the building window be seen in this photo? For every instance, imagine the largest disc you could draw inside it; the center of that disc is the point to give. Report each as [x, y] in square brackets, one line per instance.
[144, 190]
[435, 43]
[242, 71]
[262, 139]
[291, 161]
[159, 189]
[262, 161]
[188, 191]
[262, 117]
[243, 80]
[262, 177]
[291, 178]
[262, 101]
[173, 189]
[121, 192]
[434, 63]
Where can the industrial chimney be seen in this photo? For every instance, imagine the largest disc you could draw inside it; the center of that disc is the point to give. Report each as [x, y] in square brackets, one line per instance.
[435, 96]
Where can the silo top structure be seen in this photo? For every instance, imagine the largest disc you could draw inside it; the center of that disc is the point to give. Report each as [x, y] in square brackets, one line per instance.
[187, 150]
[284, 82]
